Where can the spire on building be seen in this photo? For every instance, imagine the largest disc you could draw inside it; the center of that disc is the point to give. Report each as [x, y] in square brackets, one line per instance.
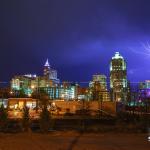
[47, 63]
[117, 56]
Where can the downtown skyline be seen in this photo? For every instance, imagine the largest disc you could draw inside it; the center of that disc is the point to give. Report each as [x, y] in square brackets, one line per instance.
[74, 72]
[78, 40]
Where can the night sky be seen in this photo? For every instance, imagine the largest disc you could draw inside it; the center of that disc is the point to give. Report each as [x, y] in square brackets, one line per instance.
[79, 37]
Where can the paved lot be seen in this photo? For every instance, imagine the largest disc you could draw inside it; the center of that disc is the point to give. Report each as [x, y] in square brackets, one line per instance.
[73, 141]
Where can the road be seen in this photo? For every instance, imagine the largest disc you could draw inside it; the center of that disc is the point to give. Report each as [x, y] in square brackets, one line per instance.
[74, 141]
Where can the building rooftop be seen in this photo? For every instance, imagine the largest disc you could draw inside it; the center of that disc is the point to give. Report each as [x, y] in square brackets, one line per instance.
[47, 63]
[117, 56]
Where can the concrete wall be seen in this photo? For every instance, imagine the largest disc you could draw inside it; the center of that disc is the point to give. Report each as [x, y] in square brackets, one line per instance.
[109, 107]
[72, 106]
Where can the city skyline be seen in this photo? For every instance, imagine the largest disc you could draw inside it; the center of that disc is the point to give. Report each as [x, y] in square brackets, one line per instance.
[85, 82]
[74, 72]
[80, 41]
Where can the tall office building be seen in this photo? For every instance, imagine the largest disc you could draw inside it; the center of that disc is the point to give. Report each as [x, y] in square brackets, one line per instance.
[100, 79]
[50, 74]
[46, 69]
[29, 83]
[118, 78]
[98, 88]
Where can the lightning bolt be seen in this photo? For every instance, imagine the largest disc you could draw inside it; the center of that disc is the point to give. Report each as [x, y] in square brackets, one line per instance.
[145, 49]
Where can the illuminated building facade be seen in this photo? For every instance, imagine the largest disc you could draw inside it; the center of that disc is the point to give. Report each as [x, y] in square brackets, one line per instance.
[3, 102]
[24, 83]
[49, 83]
[144, 85]
[98, 88]
[50, 74]
[101, 79]
[144, 91]
[29, 83]
[83, 93]
[4, 95]
[61, 92]
[118, 78]
[47, 69]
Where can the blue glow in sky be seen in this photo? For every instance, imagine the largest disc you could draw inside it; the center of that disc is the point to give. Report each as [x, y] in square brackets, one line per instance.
[79, 37]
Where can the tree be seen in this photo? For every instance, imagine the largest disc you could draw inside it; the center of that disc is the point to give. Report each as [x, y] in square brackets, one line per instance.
[45, 119]
[41, 97]
[84, 108]
[84, 111]
[43, 102]
[22, 93]
[26, 118]
[3, 116]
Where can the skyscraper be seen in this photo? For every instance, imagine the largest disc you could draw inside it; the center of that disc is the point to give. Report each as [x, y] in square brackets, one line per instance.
[100, 79]
[98, 88]
[29, 83]
[49, 73]
[46, 69]
[118, 78]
